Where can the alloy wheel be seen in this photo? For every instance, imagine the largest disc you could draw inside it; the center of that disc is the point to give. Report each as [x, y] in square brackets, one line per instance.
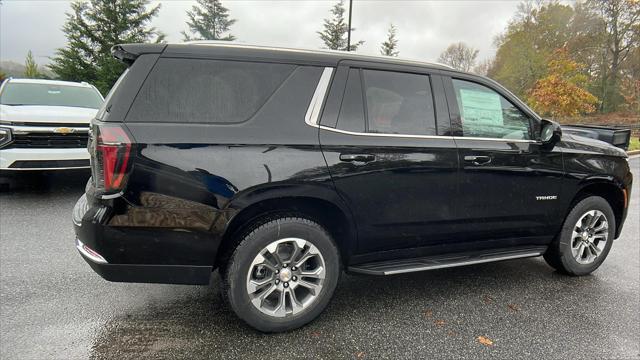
[589, 237]
[286, 277]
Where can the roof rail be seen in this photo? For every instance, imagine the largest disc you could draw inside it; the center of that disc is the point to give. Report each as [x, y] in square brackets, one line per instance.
[226, 43]
[445, 65]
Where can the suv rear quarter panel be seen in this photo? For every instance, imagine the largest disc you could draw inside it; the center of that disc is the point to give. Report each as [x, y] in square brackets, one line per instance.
[190, 179]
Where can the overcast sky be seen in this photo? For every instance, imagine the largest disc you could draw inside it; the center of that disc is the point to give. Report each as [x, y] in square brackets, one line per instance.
[425, 28]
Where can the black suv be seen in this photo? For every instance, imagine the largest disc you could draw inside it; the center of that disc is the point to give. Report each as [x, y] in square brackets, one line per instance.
[280, 168]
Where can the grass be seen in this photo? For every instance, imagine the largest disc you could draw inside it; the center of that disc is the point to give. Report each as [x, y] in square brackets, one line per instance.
[634, 144]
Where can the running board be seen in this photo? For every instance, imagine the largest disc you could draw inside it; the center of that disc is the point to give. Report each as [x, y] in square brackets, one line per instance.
[391, 267]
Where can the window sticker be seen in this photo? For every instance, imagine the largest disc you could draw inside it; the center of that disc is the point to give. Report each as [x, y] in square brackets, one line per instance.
[481, 108]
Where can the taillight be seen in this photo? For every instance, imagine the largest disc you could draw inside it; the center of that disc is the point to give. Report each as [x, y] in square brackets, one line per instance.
[112, 157]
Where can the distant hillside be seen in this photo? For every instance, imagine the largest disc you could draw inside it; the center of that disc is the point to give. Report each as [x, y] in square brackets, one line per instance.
[14, 69]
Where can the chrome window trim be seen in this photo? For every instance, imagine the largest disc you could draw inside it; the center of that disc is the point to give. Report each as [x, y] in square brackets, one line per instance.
[312, 117]
[421, 136]
[496, 139]
[385, 134]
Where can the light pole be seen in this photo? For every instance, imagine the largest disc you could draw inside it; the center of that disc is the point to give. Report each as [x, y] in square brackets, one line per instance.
[349, 28]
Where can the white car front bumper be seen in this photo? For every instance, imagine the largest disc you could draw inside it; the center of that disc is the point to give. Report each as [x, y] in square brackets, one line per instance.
[43, 159]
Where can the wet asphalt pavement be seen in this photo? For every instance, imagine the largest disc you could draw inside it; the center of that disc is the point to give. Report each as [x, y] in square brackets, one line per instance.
[52, 305]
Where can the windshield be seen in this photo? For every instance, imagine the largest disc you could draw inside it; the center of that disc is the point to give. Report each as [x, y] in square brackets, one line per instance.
[50, 95]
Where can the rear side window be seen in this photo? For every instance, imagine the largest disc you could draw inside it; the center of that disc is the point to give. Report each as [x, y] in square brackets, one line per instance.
[206, 91]
[351, 116]
[399, 103]
[104, 108]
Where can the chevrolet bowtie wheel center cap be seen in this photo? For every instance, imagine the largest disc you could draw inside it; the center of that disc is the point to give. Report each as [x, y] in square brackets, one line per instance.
[285, 275]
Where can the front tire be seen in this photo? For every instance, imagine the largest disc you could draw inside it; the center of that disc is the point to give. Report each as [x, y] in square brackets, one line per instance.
[585, 239]
[282, 274]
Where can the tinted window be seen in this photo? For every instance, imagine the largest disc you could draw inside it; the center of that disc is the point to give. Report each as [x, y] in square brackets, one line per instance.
[107, 100]
[194, 90]
[486, 113]
[399, 103]
[351, 116]
[17, 94]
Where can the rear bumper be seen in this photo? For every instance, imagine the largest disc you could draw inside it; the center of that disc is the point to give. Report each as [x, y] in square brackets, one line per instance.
[139, 255]
[17, 159]
[160, 274]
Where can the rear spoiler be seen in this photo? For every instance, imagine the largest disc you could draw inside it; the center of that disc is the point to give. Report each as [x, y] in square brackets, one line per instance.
[128, 53]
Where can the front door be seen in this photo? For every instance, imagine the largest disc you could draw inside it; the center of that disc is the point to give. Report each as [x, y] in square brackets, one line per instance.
[509, 184]
[388, 161]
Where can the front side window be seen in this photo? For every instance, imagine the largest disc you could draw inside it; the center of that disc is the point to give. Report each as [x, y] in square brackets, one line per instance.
[50, 94]
[485, 113]
[399, 103]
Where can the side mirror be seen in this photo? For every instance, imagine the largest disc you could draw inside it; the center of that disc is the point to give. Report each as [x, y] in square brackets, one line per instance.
[550, 133]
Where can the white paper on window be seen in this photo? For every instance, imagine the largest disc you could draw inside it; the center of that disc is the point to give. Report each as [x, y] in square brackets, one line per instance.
[481, 108]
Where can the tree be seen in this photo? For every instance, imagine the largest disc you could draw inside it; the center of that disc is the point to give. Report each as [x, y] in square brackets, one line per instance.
[459, 56]
[31, 68]
[335, 30]
[389, 47]
[561, 92]
[482, 68]
[630, 81]
[619, 23]
[92, 28]
[530, 38]
[601, 34]
[3, 76]
[209, 20]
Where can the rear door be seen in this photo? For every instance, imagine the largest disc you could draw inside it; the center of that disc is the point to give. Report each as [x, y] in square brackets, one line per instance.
[389, 158]
[509, 184]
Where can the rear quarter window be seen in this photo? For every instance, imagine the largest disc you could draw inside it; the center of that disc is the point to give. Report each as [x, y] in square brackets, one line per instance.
[206, 91]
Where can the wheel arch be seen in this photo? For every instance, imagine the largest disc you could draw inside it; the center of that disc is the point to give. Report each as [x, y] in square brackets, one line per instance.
[609, 190]
[320, 205]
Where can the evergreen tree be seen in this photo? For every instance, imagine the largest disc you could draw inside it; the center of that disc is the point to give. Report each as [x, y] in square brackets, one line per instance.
[209, 20]
[389, 47]
[31, 68]
[92, 28]
[335, 30]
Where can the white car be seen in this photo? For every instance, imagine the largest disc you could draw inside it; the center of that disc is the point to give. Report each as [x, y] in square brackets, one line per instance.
[44, 124]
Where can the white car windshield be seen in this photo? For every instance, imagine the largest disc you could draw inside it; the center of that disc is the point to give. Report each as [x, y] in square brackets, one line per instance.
[20, 94]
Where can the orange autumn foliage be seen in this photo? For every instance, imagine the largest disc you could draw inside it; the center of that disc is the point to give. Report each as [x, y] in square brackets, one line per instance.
[561, 92]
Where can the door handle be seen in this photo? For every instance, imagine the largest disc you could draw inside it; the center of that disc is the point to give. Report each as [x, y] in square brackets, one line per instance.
[357, 157]
[478, 159]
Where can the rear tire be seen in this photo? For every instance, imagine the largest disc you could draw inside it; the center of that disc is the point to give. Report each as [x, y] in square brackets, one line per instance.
[585, 238]
[282, 274]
